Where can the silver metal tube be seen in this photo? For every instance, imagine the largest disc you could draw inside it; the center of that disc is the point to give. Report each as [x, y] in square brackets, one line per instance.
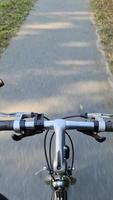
[29, 124]
[59, 164]
[70, 125]
[79, 125]
[48, 124]
[59, 126]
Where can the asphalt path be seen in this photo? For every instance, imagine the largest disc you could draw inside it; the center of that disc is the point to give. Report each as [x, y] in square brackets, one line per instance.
[54, 65]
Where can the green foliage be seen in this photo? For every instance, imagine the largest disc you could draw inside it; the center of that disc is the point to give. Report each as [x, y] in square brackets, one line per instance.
[104, 16]
[12, 14]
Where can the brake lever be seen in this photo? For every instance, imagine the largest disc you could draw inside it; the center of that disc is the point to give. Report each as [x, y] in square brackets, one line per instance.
[97, 116]
[21, 136]
[16, 137]
[97, 137]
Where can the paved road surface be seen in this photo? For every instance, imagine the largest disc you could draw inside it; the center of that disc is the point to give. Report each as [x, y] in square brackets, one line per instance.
[53, 66]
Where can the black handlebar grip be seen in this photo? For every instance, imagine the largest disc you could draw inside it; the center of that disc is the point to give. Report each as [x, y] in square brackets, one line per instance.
[6, 125]
[109, 126]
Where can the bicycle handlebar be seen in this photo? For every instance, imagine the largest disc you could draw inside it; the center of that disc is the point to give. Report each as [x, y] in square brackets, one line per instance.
[28, 124]
[6, 125]
[78, 125]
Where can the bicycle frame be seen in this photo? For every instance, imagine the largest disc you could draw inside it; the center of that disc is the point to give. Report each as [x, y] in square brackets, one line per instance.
[63, 178]
[60, 168]
[59, 164]
[59, 126]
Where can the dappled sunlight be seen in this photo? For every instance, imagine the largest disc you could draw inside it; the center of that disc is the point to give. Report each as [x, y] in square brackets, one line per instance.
[76, 62]
[65, 20]
[33, 29]
[23, 33]
[88, 87]
[62, 13]
[77, 15]
[44, 105]
[51, 26]
[80, 18]
[3, 136]
[34, 72]
[50, 73]
[76, 44]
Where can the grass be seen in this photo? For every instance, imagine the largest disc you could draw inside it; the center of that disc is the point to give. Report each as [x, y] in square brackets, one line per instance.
[103, 10]
[12, 14]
